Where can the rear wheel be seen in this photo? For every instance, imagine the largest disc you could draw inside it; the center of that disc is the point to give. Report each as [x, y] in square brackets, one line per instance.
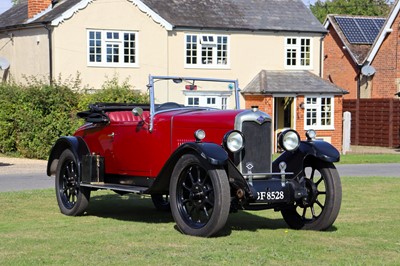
[71, 197]
[319, 210]
[200, 196]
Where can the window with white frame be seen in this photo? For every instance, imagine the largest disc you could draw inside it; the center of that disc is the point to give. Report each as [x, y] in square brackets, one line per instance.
[212, 99]
[193, 101]
[298, 52]
[319, 112]
[112, 48]
[208, 50]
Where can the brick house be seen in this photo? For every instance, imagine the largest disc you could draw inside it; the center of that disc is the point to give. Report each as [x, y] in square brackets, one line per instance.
[301, 100]
[208, 38]
[362, 53]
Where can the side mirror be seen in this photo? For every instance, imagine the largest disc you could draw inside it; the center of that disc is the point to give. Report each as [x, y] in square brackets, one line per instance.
[137, 111]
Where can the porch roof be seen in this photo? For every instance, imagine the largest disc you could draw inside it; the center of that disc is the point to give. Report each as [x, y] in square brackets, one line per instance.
[290, 82]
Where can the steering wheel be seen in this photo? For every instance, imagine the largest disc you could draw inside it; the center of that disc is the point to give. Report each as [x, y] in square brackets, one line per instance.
[168, 105]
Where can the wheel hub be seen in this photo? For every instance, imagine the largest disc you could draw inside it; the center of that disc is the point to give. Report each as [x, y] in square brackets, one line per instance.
[198, 195]
[312, 193]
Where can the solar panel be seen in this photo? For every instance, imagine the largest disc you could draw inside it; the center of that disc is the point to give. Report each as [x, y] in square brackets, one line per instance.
[360, 30]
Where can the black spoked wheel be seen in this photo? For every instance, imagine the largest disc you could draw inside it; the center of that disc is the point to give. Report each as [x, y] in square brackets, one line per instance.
[161, 202]
[200, 196]
[320, 209]
[71, 197]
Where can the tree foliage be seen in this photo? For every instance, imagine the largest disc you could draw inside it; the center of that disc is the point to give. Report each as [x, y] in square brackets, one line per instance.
[321, 8]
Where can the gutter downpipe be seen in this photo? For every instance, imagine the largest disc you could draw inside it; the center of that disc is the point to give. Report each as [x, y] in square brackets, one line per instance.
[49, 34]
[320, 55]
[358, 81]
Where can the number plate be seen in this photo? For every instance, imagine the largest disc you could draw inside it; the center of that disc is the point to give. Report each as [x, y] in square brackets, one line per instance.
[272, 191]
[271, 196]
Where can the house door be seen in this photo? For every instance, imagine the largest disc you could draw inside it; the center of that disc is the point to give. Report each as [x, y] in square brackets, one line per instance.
[284, 110]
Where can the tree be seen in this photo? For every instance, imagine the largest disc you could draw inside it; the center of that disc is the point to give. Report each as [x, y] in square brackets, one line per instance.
[350, 7]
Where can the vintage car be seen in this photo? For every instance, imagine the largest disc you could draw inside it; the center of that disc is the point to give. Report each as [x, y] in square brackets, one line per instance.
[198, 155]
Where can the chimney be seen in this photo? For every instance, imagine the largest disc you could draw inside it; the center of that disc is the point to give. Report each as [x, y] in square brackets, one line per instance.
[37, 6]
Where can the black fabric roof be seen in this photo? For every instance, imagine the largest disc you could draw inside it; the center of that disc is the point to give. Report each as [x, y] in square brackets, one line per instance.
[276, 15]
[287, 82]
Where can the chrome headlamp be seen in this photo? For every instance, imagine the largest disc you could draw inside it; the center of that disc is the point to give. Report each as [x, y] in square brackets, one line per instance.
[289, 140]
[199, 135]
[311, 134]
[233, 141]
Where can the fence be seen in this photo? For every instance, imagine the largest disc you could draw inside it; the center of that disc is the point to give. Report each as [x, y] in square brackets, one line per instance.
[375, 122]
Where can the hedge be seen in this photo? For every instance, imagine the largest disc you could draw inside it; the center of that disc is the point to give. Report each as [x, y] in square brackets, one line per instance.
[33, 116]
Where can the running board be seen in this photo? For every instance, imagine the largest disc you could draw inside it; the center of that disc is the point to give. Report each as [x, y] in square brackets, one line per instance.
[125, 188]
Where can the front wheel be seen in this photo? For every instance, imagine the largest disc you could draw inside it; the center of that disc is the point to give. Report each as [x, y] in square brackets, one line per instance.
[71, 197]
[319, 210]
[200, 196]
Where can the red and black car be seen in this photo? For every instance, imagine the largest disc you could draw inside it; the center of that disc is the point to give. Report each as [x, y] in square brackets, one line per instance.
[196, 153]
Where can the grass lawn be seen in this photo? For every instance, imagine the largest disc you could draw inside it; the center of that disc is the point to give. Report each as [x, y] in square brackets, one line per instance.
[369, 158]
[127, 230]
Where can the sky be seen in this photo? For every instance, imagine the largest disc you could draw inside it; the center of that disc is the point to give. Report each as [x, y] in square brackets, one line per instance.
[6, 4]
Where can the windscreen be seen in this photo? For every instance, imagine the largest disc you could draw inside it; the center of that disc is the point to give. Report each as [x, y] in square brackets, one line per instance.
[195, 93]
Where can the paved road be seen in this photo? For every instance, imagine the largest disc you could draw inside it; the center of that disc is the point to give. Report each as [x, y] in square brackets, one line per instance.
[380, 169]
[25, 174]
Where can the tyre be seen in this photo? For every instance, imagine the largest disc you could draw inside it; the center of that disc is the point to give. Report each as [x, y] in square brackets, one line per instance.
[200, 196]
[321, 208]
[71, 197]
[161, 202]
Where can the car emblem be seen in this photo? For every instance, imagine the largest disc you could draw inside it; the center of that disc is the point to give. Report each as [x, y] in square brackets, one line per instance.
[261, 119]
[249, 166]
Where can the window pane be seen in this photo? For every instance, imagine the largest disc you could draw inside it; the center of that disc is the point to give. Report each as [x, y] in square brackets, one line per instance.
[326, 111]
[291, 57]
[206, 55]
[311, 117]
[112, 53]
[130, 44]
[305, 52]
[191, 47]
[222, 50]
[94, 47]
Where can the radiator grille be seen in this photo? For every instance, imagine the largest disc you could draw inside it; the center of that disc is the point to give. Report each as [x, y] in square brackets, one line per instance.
[257, 150]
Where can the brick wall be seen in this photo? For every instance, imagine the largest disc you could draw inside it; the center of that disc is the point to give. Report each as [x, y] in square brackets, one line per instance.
[338, 65]
[37, 6]
[265, 104]
[386, 65]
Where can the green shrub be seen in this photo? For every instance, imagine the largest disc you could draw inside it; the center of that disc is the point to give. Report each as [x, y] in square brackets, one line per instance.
[35, 115]
[112, 92]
